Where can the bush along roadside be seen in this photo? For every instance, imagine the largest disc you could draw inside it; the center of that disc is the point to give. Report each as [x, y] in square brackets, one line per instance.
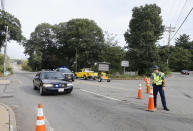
[25, 66]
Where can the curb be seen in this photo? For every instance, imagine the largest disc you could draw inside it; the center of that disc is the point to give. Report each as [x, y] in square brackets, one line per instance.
[12, 120]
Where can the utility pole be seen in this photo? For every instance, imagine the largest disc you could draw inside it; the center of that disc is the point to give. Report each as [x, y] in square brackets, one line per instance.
[5, 52]
[6, 38]
[169, 29]
[2, 4]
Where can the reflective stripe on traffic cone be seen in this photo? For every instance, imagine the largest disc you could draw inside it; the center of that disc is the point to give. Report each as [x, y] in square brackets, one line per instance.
[40, 124]
[151, 102]
[139, 92]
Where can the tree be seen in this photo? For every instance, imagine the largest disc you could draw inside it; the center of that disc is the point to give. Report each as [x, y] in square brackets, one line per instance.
[85, 40]
[145, 29]
[113, 53]
[42, 47]
[184, 42]
[60, 44]
[180, 59]
[14, 27]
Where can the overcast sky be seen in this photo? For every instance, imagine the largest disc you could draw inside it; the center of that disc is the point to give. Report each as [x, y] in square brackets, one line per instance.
[111, 15]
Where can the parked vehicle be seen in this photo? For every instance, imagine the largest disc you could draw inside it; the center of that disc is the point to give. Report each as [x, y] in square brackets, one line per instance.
[185, 72]
[103, 69]
[104, 76]
[86, 73]
[68, 74]
[51, 82]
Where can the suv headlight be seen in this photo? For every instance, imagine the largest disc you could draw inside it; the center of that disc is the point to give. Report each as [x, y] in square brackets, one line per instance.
[47, 85]
[69, 84]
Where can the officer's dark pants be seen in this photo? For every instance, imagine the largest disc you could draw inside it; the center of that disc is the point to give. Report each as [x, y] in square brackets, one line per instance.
[159, 89]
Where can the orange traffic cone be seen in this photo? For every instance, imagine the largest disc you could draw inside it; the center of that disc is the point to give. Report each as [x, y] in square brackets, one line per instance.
[151, 102]
[148, 86]
[40, 124]
[139, 92]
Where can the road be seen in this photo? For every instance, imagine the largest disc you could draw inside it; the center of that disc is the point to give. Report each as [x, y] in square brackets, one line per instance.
[95, 106]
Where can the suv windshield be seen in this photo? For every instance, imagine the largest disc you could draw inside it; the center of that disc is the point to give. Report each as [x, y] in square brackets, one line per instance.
[52, 75]
[64, 70]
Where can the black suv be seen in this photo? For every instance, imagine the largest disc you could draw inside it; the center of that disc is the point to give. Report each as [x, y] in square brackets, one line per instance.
[69, 76]
[51, 82]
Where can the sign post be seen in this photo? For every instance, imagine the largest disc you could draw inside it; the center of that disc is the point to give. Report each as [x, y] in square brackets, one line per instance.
[124, 64]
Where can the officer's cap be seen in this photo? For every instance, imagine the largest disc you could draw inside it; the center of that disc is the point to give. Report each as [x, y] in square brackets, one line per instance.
[155, 67]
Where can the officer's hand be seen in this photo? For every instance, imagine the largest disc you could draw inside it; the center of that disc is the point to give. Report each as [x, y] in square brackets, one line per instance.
[164, 88]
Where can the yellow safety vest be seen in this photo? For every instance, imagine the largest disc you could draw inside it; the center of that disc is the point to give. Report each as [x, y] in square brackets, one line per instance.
[157, 80]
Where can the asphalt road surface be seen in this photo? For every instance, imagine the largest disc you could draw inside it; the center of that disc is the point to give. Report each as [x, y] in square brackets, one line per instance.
[95, 106]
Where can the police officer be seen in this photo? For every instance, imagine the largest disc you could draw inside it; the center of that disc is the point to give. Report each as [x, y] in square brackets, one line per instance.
[158, 82]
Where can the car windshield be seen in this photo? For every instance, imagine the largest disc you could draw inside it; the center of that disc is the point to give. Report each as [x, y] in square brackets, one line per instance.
[65, 70]
[52, 75]
[87, 70]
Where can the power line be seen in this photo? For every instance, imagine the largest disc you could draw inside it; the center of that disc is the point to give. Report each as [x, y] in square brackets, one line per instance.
[181, 12]
[181, 24]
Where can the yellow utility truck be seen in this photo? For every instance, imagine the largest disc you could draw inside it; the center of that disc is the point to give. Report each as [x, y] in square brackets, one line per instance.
[86, 73]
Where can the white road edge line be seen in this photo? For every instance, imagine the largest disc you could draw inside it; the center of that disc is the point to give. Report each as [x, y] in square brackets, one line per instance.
[49, 128]
[111, 98]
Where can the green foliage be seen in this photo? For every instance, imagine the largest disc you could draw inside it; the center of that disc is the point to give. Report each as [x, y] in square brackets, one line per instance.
[14, 27]
[85, 37]
[34, 61]
[8, 64]
[180, 59]
[25, 66]
[184, 42]
[113, 53]
[145, 29]
[164, 68]
[52, 46]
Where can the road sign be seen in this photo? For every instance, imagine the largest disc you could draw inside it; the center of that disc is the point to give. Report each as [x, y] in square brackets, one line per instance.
[125, 63]
[103, 67]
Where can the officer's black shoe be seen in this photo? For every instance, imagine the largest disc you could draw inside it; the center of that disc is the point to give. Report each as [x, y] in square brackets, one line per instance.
[166, 109]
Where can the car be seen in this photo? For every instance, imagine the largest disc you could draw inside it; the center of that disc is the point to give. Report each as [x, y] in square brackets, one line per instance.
[185, 72]
[51, 82]
[68, 74]
[86, 73]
